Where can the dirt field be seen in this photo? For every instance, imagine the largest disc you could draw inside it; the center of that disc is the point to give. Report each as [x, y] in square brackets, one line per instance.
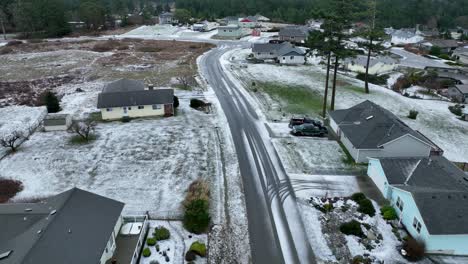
[31, 68]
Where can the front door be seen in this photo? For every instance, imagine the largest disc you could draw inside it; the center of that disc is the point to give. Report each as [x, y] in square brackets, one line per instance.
[168, 110]
[125, 110]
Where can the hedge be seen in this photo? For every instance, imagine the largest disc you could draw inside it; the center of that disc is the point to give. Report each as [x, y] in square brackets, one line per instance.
[352, 227]
[161, 233]
[146, 252]
[198, 248]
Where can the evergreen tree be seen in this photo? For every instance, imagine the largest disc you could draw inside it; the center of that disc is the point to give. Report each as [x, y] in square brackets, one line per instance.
[52, 102]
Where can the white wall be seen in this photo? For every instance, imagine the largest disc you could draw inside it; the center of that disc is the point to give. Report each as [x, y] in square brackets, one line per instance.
[377, 175]
[111, 246]
[265, 55]
[292, 59]
[118, 112]
[335, 128]
[378, 68]
[349, 146]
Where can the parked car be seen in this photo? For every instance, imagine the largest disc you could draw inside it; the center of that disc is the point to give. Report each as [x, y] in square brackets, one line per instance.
[309, 130]
[304, 120]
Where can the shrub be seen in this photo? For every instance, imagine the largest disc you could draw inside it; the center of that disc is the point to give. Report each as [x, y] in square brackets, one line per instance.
[196, 103]
[352, 227]
[328, 207]
[190, 255]
[35, 41]
[366, 207]
[388, 213]
[154, 262]
[413, 114]
[125, 119]
[104, 46]
[456, 110]
[146, 252]
[151, 241]
[196, 216]
[5, 50]
[444, 57]
[176, 101]
[198, 248]
[358, 197]
[161, 233]
[14, 43]
[52, 102]
[414, 249]
[148, 49]
[375, 79]
[435, 51]
[9, 188]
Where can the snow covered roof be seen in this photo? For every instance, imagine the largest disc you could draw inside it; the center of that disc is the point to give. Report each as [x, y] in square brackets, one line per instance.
[124, 85]
[362, 60]
[463, 88]
[442, 43]
[72, 227]
[439, 188]
[369, 126]
[294, 31]
[403, 33]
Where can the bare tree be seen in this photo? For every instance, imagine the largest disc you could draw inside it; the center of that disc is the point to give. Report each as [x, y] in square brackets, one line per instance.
[12, 141]
[83, 129]
[186, 81]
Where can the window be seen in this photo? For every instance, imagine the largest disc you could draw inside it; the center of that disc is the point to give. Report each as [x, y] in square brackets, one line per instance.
[109, 109]
[399, 204]
[417, 225]
[129, 108]
[291, 58]
[141, 107]
[156, 106]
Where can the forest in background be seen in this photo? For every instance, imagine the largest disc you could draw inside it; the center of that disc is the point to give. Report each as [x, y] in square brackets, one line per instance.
[48, 18]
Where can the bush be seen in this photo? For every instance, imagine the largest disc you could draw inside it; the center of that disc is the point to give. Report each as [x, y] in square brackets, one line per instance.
[148, 49]
[5, 50]
[444, 57]
[104, 46]
[161, 233]
[196, 103]
[125, 119]
[190, 255]
[352, 227]
[375, 79]
[176, 101]
[328, 207]
[14, 43]
[198, 248]
[435, 51]
[414, 249]
[154, 262]
[388, 213]
[52, 102]
[34, 41]
[366, 207]
[151, 241]
[456, 110]
[413, 114]
[146, 252]
[9, 188]
[358, 197]
[196, 216]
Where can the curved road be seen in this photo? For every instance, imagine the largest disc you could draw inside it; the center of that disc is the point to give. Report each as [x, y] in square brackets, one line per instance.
[276, 231]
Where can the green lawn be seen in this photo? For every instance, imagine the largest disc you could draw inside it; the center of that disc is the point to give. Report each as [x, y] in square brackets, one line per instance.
[294, 99]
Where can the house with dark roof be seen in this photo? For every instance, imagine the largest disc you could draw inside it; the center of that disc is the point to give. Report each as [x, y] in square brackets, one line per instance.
[231, 31]
[73, 227]
[295, 34]
[430, 196]
[368, 130]
[284, 53]
[458, 93]
[377, 65]
[167, 18]
[130, 98]
[445, 45]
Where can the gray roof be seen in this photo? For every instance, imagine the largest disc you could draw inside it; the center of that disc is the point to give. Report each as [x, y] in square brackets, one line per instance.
[404, 33]
[76, 233]
[439, 188]
[269, 47]
[294, 31]
[131, 93]
[443, 43]
[463, 88]
[369, 126]
[362, 60]
[166, 14]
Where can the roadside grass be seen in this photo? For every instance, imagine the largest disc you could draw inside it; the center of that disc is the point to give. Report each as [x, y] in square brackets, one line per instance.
[294, 99]
[349, 160]
[357, 89]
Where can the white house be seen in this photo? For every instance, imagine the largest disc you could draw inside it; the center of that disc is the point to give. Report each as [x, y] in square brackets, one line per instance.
[167, 18]
[293, 56]
[73, 227]
[377, 65]
[405, 36]
[284, 53]
[129, 98]
[231, 32]
[370, 131]
[430, 196]
[57, 122]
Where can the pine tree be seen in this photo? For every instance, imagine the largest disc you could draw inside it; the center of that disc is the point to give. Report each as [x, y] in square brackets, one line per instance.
[52, 102]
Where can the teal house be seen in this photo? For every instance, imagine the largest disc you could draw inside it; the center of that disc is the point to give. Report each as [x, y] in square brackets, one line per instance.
[430, 195]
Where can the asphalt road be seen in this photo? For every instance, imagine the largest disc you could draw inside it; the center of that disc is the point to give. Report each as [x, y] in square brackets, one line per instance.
[276, 231]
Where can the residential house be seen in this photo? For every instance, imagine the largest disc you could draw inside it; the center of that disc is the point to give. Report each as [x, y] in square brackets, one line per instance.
[315, 24]
[295, 34]
[458, 93]
[461, 54]
[230, 20]
[455, 75]
[404, 36]
[248, 22]
[284, 53]
[230, 32]
[167, 18]
[129, 98]
[204, 26]
[73, 227]
[368, 130]
[445, 45]
[430, 196]
[57, 122]
[261, 18]
[377, 65]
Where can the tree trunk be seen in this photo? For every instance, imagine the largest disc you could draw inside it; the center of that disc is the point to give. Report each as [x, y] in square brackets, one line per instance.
[366, 85]
[3, 28]
[335, 73]
[325, 97]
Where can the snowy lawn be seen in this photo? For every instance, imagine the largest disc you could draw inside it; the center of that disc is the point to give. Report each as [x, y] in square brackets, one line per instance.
[176, 246]
[167, 31]
[434, 119]
[146, 163]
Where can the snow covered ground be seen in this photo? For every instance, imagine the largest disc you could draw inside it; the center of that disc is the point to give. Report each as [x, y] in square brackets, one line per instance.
[434, 119]
[412, 60]
[176, 246]
[167, 31]
[147, 163]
